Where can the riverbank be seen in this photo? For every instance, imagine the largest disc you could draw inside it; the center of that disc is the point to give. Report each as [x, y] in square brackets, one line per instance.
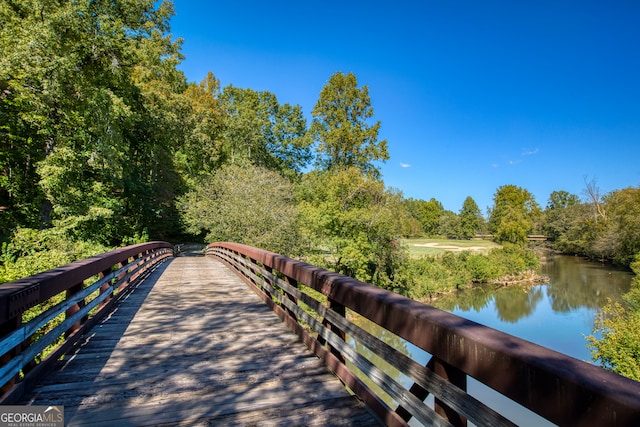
[426, 277]
[526, 279]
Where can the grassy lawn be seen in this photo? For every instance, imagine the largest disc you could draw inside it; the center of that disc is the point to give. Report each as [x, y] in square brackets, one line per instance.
[420, 247]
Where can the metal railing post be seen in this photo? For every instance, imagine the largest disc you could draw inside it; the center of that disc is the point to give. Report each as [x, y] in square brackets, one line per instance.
[294, 283]
[104, 288]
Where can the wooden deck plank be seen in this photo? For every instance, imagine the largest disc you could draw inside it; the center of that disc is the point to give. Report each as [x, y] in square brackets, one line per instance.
[194, 346]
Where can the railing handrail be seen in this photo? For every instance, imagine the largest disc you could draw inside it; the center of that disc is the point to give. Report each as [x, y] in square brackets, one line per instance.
[116, 271]
[22, 294]
[558, 387]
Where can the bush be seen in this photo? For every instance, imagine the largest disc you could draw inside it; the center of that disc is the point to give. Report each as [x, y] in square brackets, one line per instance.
[427, 276]
[33, 251]
[480, 268]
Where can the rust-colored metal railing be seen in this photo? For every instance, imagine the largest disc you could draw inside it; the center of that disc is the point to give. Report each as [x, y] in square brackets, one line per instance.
[73, 297]
[561, 389]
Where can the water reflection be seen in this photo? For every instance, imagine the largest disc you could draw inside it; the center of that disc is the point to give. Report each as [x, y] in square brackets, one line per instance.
[577, 283]
[574, 283]
[511, 303]
[516, 302]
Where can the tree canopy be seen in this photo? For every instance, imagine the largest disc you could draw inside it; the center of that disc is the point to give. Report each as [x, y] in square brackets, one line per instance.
[85, 89]
[513, 215]
[355, 219]
[246, 204]
[264, 132]
[470, 218]
[341, 130]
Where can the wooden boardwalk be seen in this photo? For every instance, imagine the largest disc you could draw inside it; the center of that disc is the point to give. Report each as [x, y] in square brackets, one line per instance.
[193, 346]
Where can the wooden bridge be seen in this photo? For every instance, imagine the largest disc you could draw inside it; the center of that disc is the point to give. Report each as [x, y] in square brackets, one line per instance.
[140, 337]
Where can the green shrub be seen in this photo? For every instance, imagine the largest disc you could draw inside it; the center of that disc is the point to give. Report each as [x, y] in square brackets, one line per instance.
[33, 251]
[424, 277]
[480, 268]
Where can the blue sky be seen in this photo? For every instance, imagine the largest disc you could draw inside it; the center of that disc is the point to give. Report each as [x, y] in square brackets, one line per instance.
[472, 95]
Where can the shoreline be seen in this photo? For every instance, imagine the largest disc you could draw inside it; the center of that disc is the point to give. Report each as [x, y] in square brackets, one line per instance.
[529, 277]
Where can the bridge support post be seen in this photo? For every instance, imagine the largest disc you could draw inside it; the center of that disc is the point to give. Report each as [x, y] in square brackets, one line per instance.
[104, 288]
[138, 271]
[73, 309]
[342, 311]
[294, 283]
[270, 270]
[121, 275]
[6, 329]
[457, 378]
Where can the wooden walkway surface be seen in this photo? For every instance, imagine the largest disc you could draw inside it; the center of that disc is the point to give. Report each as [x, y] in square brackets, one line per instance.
[193, 346]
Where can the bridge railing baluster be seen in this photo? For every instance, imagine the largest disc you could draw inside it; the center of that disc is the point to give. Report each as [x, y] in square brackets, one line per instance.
[73, 290]
[106, 287]
[340, 310]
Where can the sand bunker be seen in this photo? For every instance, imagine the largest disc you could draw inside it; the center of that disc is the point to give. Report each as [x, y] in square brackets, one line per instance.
[451, 248]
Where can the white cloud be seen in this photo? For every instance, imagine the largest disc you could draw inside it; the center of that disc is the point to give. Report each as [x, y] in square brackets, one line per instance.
[405, 165]
[528, 152]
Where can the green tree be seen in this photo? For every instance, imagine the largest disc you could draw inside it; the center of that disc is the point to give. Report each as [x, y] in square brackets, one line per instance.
[84, 86]
[470, 218]
[260, 130]
[513, 215]
[449, 225]
[353, 224]
[573, 229]
[201, 152]
[605, 227]
[341, 130]
[428, 213]
[558, 213]
[246, 204]
[618, 237]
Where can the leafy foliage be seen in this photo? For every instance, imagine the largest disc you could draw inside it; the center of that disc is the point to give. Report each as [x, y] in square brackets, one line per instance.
[87, 91]
[246, 204]
[261, 131]
[449, 225]
[514, 214]
[344, 138]
[201, 151]
[618, 347]
[609, 231]
[428, 276]
[33, 251]
[356, 220]
[427, 213]
[470, 219]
